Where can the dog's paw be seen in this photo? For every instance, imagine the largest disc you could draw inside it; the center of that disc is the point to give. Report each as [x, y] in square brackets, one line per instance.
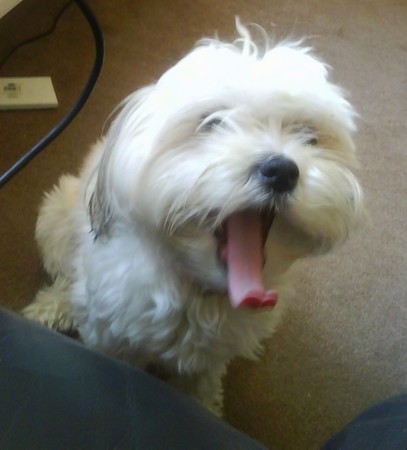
[52, 308]
[55, 318]
[216, 408]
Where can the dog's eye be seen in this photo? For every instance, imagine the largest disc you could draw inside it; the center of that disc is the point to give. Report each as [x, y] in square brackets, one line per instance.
[305, 134]
[210, 122]
[312, 140]
[215, 122]
[309, 136]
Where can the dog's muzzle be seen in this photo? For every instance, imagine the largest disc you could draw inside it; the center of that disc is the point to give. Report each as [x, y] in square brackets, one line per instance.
[279, 173]
[242, 236]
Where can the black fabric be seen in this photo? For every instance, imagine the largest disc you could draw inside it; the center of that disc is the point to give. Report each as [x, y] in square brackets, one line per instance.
[56, 394]
[381, 427]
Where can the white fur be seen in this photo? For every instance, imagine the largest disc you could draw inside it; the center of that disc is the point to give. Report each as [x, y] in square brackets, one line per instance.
[139, 268]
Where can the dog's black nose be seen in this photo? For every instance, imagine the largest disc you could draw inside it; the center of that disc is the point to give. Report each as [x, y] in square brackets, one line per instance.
[279, 173]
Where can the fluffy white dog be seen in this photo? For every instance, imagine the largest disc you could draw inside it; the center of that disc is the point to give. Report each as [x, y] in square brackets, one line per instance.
[171, 245]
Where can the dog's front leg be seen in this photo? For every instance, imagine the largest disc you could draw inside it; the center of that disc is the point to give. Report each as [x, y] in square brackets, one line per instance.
[52, 308]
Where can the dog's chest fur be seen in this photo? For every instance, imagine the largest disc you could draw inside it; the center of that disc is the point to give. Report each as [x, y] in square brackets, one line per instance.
[130, 301]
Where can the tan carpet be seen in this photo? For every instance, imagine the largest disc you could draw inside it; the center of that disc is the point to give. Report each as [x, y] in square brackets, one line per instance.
[343, 343]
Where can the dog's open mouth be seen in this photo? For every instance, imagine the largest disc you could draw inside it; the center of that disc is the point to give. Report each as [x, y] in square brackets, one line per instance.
[240, 244]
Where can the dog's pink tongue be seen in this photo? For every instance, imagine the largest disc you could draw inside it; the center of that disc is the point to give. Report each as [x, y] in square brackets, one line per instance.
[245, 261]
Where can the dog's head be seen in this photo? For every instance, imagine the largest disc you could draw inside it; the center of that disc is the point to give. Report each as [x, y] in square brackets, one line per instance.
[232, 149]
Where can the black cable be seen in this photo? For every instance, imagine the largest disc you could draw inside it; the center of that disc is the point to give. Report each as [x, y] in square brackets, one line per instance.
[38, 36]
[62, 124]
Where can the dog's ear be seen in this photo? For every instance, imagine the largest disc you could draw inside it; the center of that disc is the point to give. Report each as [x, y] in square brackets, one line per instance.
[124, 142]
[99, 209]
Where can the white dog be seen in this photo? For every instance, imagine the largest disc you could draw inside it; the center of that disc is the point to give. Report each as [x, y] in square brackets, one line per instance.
[171, 245]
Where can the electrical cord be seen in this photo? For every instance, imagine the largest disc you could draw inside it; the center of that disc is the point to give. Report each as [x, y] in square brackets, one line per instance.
[38, 36]
[80, 102]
